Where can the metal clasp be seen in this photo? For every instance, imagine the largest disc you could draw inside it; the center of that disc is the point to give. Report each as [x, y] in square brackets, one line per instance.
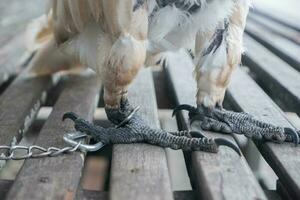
[70, 138]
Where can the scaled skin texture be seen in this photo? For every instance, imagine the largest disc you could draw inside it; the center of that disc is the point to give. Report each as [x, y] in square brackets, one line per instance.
[116, 37]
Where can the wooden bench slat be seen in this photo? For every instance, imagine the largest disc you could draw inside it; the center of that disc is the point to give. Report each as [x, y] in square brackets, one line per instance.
[245, 95]
[281, 18]
[19, 104]
[275, 27]
[13, 57]
[285, 49]
[281, 80]
[58, 177]
[224, 175]
[139, 171]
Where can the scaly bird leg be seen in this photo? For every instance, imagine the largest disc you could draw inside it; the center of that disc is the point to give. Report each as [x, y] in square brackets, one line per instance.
[221, 120]
[135, 130]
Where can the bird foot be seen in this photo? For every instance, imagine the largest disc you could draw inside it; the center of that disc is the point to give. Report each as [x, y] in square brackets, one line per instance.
[132, 129]
[221, 120]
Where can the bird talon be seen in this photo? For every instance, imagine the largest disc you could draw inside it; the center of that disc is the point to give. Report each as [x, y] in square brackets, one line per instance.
[193, 111]
[128, 118]
[196, 134]
[224, 142]
[70, 115]
[293, 134]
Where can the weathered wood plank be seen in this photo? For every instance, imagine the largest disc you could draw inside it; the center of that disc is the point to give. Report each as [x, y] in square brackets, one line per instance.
[224, 175]
[13, 56]
[245, 95]
[19, 104]
[281, 18]
[16, 14]
[275, 27]
[285, 49]
[281, 81]
[139, 171]
[58, 177]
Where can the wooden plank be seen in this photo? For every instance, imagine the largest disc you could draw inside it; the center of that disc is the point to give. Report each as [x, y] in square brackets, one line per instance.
[4, 187]
[281, 81]
[245, 95]
[139, 171]
[19, 104]
[15, 16]
[13, 57]
[224, 175]
[275, 27]
[281, 18]
[285, 49]
[58, 177]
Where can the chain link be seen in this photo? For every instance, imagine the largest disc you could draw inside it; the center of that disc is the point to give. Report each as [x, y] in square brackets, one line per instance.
[34, 151]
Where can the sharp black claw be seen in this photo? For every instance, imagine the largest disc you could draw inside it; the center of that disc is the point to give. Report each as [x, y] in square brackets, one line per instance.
[224, 142]
[293, 133]
[184, 107]
[70, 115]
[196, 134]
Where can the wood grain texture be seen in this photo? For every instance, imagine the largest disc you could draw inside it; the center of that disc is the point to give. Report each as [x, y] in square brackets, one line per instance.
[282, 47]
[19, 104]
[245, 95]
[280, 80]
[288, 21]
[139, 171]
[275, 27]
[58, 177]
[224, 175]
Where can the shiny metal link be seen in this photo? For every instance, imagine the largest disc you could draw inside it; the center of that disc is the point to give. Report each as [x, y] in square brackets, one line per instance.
[34, 151]
[18, 152]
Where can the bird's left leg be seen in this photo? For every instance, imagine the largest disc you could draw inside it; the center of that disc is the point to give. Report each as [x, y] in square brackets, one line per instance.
[217, 59]
[126, 56]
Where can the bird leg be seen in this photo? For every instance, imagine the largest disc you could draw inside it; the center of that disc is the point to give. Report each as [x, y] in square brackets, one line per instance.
[221, 120]
[131, 128]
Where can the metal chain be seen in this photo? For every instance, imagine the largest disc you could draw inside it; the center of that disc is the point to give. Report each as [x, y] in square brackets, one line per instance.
[35, 151]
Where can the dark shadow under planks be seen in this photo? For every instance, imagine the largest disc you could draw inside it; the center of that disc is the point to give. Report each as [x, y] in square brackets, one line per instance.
[281, 80]
[139, 171]
[275, 27]
[282, 47]
[4, 187]
[19, 104]
[246, 96]
[91, 195]
[58, 177]
[224, 175]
